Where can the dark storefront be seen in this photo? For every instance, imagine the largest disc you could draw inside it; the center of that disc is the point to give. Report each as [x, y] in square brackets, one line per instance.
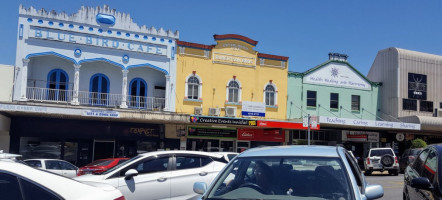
[81, 141]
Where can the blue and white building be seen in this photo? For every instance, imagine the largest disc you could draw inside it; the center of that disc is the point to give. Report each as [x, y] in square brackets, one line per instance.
[76, 72]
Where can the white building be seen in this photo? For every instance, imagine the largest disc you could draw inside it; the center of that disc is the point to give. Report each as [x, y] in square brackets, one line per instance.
[94, 68]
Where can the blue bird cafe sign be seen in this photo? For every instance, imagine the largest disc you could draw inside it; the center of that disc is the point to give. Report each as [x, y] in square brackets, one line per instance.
[98, 41]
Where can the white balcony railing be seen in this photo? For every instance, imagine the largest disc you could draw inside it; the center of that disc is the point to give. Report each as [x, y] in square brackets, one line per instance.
[94, 98]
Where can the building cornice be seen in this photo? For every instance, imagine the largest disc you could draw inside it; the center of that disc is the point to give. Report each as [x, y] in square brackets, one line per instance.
[235, 37]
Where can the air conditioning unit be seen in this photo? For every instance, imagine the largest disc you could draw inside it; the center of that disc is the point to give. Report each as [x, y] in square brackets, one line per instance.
[437, 112]
[198, 111]
[214, 111]
[230, 111]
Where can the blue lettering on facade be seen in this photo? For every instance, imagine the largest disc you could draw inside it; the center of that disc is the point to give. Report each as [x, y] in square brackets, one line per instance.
[129, 47]
[115, 44]
[71, 39]
[38, 33]
[88, 40]
[47, 36]
[104, 42]
[60, 36]
[140, 48]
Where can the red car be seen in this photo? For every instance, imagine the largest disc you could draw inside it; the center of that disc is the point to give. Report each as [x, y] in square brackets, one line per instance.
[100, 166]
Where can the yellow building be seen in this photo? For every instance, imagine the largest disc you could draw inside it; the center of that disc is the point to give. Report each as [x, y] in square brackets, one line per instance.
[230, 84]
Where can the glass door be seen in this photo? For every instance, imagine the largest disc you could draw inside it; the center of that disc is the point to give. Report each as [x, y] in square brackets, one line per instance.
[103, 149]
[226, 146]
[242, 146]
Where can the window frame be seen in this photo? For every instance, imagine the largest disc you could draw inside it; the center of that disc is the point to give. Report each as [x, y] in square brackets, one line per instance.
[358, 103]
[426, 102]
[274, 92]
[333, 100]
[139, 103]
[239, 89]
[199, 88]
[314, 99]
[410, 101]
[99, 100]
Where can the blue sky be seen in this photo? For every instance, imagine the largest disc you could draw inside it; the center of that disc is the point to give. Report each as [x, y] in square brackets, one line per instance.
[306, 31]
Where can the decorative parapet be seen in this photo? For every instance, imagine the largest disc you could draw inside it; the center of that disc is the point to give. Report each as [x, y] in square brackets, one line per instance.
[88, 15]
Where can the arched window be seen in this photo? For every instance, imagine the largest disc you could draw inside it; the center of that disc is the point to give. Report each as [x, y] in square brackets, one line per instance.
[270, 95]
[138, 93]
[193, 88]
[99, 88]
[233, 92]
[58, 82]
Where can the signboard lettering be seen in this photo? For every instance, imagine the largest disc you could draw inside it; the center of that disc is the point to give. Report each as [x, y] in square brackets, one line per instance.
[220, 120]
[209, 132]
[254, 109]
[369, 123]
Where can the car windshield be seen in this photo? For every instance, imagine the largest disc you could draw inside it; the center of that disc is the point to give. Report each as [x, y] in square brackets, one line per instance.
[381, 152]
[121, 164]
[283, 178]
[100, 163]
[415, 152]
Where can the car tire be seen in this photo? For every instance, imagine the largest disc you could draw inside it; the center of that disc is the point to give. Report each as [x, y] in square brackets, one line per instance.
[387, 160]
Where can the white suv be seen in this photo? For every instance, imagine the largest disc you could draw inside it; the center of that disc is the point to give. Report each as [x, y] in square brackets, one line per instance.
[381, 159]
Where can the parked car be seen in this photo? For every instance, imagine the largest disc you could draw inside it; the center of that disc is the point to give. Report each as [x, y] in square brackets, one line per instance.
[291, 172]
[422, 178]
[18, 181]
[61, 167]
[161, 174]
[381, 159]
[408, 157]
[100, 166]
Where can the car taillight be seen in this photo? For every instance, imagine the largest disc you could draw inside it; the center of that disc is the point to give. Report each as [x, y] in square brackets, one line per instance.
[120, 198]
[395, 160]
[368, 161]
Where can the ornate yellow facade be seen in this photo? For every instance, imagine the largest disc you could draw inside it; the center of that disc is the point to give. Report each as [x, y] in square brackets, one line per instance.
[219, 79]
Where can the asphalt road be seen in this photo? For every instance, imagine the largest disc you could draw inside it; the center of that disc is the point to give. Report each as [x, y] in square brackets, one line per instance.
[392, 185]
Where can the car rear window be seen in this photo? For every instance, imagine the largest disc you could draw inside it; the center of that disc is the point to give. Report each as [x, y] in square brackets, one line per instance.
[100, 163]
[381, 152]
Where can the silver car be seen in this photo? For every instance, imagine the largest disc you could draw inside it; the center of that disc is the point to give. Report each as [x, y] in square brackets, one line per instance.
[291, 172]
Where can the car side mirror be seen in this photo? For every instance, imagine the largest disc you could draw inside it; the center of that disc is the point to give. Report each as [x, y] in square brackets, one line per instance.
[421, 183]
[199, 187]
[130, 173]
[374, 192]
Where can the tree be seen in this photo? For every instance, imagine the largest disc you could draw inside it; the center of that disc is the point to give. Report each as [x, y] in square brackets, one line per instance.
[418, 143]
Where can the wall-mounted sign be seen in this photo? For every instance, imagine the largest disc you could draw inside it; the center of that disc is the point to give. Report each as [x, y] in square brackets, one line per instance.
[101, 113]
[230, 59]
[209, 132]
[269, 135]
[369, 123]
[221, 120]
[337, 75]
[417, 86]
[254, 109]
[400, 137]
[285, 125]
[145, 132]
[93, 40]
[360, 136]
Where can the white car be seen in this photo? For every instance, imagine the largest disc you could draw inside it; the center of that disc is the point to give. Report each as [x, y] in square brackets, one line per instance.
[227, 155]
[61, 167]
[18, 181]
[381, 159]
[161, 174]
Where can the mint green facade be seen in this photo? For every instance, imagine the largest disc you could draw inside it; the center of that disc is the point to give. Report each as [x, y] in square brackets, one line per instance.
[299, 84]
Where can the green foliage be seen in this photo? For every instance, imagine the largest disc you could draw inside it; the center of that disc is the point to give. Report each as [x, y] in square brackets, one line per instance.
[418, 143]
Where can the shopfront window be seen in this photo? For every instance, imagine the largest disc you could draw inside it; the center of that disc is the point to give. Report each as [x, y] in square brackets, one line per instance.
[207, 145]
[39, 148]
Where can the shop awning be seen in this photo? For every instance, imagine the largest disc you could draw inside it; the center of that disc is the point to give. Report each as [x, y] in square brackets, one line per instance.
[427, 123]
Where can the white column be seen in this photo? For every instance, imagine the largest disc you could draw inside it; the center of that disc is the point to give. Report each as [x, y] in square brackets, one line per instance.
[168, 89]
[76, 85]
[124, 90]
[24, 79]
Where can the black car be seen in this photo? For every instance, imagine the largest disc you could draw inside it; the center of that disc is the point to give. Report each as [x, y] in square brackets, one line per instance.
[408, 157]
[422, 179]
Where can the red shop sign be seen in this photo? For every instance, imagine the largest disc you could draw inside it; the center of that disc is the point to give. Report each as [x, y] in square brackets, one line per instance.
[269, 135]
[285, 125]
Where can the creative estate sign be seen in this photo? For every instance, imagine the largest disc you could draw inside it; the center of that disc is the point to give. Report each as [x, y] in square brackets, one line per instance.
[369, 123]
[98, 41]
[220, 120]
[253, 109]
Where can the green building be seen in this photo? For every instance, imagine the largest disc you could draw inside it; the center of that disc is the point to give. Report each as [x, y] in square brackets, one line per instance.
[343, 103]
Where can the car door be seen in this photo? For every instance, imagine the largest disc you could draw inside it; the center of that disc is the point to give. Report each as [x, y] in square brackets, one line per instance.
[188, 170]
[414, 171]
[152, 181]
[429, 171]
[53, 166]
[69, 170]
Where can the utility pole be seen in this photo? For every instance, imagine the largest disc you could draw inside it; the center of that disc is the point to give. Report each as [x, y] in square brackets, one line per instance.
[308, 129]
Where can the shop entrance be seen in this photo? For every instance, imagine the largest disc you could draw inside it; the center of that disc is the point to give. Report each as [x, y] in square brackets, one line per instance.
[103, 149]
[242, 146]
[226, 146]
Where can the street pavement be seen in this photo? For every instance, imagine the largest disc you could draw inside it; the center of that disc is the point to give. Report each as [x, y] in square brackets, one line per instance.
[392, 185]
